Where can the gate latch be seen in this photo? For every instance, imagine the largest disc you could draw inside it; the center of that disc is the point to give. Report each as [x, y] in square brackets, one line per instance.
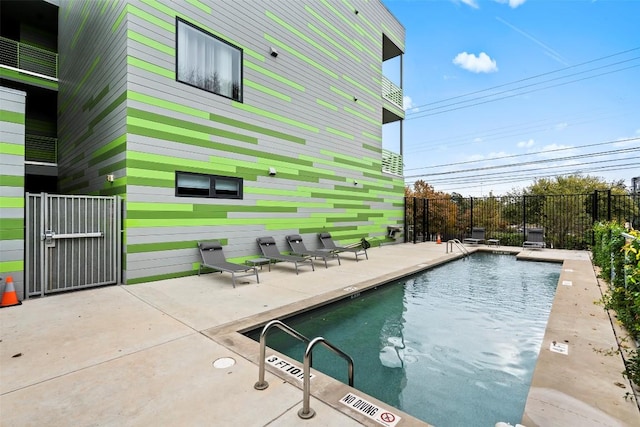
[49, 242]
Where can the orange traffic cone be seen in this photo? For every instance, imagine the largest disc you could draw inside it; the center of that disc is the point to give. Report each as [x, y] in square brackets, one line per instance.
[438, 241]
[9, 297]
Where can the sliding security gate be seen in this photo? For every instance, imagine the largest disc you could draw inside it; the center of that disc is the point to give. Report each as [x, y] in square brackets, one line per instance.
[71, 242]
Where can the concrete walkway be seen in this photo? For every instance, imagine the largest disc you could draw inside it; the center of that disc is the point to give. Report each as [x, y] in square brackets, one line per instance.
[144, 354]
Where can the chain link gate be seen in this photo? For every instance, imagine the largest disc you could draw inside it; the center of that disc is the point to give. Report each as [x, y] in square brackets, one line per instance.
[71, 242]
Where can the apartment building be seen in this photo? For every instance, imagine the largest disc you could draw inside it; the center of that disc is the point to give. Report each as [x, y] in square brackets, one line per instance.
[207, 119]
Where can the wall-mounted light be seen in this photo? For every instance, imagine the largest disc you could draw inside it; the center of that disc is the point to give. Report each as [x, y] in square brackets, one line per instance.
[355, 182]
[357, 11]
[274, 52]
[110, 178]
[272, 171]
[355, 99]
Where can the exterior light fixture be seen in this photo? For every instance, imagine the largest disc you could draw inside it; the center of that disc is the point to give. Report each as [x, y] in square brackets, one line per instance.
[274, 52]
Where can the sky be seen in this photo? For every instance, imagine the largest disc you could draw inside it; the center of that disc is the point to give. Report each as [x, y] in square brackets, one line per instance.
[499, 93]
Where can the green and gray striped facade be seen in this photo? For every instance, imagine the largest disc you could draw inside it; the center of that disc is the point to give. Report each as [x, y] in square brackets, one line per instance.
[314, 113]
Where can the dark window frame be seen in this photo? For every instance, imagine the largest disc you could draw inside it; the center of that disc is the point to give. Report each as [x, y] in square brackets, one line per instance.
[240, 89]
[210, 192]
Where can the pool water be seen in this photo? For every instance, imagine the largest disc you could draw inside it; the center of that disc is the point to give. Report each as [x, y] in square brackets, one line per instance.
[455, 345]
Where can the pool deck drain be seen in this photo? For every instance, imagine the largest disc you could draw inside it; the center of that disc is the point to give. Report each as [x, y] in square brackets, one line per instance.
[142, 354]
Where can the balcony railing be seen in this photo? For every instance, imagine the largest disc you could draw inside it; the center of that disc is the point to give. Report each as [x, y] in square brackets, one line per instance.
[29, 58]
[392, 163]
[391, 92]
[40, 149]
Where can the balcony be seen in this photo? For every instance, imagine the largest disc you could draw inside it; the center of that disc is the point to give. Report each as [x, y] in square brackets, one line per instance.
[392, 163]
[25, 57]
[392, 96]
[40, 149]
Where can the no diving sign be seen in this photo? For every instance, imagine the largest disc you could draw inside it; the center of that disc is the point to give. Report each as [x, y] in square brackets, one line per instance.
[372, 411]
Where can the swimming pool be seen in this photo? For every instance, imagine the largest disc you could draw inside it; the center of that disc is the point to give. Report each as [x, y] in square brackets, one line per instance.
[455, 345]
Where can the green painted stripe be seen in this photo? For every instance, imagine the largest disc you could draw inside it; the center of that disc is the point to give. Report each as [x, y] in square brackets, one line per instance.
[27, 78]
[168, 26]
[206, 9]
[326, 104]
[163, 103]
[362, 87]
[104, 7]
[149, 42]
[11, 202]
[11, 234]
[269, 114]
[169, 124]
[342, 93]
[120, 18]
[11, 181]
[372, 136]
[363, 104]
[339, 132]
[372, 148]
[93, 101]
[362, 116]
[268, 91]
[163, 276]
[302, 36]
[257, 129]
[273, 75]
[164, 246]
[118, 142]
[11, 266]
[149, 173]
[333, 43]
[152, 68]
[78, 31]
[300, 56]
[12, 117]
[113, 167]
[155, 162]
[357, 28]
[364, 161]
[12, 224]
[139, 206]
[11, 149]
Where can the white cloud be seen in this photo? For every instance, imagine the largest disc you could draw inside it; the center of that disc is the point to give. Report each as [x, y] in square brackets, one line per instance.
[526, 144]
[562, 126]
[476, 64]
[477, 140]
[512, 3]
[470, 3]
[407, 104]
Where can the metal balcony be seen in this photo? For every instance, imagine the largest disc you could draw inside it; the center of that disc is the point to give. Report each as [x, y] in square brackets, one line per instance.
[25, 57]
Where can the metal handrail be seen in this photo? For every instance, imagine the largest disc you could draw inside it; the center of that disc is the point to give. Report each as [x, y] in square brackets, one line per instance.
[262, 384]
[24, 56]
[459, 245]
[306, 412]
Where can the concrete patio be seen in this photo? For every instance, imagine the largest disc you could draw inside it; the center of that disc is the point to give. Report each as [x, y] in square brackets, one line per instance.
[143, 354]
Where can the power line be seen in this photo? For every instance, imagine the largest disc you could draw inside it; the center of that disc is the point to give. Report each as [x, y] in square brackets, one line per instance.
[525, 79]
[520, 93]
[528, 154]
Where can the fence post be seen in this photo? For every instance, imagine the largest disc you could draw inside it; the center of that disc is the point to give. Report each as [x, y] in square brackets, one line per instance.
[471, 227]
[524, 218]
[425, 222]
[609, 205]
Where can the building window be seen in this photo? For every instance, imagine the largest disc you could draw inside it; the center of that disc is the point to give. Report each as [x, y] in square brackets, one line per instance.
[207, 62]
[214, 186]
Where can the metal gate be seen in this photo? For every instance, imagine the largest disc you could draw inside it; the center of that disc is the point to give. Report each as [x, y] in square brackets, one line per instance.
[71, 242]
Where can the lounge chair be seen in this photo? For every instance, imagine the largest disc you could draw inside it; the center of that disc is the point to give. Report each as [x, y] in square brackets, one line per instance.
[477, 236]
[330, 245]
[298, 248]
[535, 239]
[213, 257]
[271, 252]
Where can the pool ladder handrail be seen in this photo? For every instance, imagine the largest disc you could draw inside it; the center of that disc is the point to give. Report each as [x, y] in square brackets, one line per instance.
[306, 412]
[459, 245]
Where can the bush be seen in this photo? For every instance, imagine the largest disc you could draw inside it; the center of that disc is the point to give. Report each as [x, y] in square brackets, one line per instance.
[619, 261]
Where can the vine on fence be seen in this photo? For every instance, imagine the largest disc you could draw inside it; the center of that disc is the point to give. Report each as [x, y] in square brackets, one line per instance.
[619, 260]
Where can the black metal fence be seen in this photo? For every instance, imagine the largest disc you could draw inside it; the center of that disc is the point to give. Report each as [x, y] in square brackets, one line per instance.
[567, 220]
